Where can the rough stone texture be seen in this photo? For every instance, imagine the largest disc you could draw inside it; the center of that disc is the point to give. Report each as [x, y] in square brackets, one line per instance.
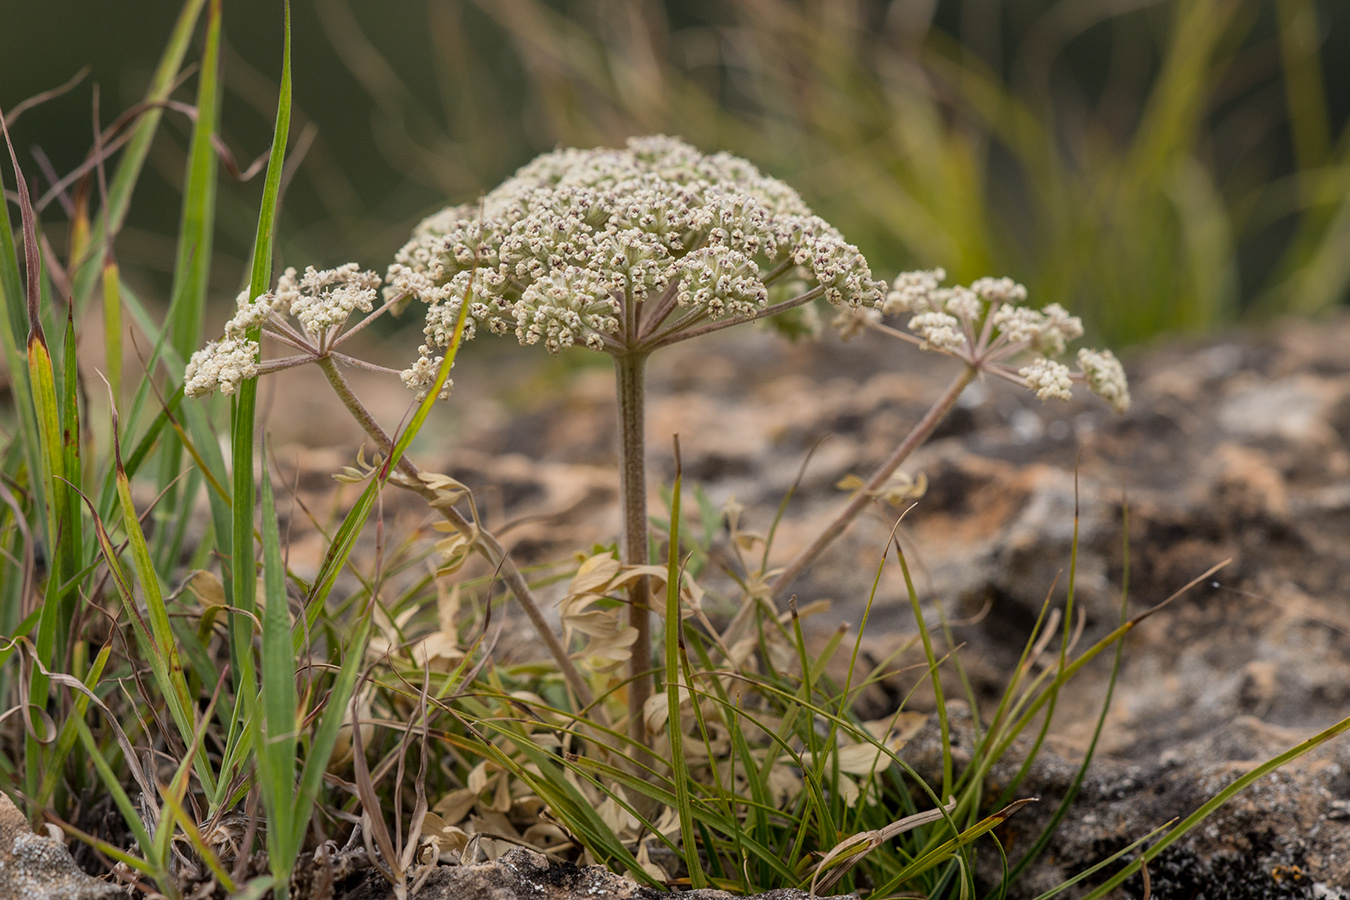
[1237, 447]
[524, 874]
[40, 868]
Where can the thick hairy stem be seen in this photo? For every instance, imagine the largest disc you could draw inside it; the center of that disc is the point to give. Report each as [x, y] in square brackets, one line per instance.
[917, 435]
[628, 370]
[485, 543]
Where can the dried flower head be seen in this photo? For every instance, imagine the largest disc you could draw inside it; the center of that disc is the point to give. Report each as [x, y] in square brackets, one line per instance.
[987, 326]
[622, 250]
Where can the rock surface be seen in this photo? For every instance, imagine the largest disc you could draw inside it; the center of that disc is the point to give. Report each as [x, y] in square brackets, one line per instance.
[34, 867]
[522, 873]
[1235, 448]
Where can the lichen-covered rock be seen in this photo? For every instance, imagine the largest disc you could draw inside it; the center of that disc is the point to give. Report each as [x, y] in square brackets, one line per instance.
[34, 867]
[525, 875]
[1235, 448]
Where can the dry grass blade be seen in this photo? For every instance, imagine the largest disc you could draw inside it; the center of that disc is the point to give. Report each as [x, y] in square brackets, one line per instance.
[853, 849]
[73, 683]
[386, 862]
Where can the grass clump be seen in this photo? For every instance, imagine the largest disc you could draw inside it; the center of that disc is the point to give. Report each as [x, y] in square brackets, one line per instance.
[680, 728]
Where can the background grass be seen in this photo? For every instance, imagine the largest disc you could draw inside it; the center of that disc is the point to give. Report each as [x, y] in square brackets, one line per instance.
[1152, 165]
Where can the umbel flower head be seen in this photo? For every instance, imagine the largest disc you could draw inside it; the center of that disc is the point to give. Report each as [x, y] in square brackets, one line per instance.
[623, 251]
[986, 325]
[321, 301]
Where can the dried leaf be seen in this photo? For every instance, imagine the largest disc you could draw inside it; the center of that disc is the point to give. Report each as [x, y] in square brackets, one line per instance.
[441, 836]
[206, 587]
[448, 605]
[449, 491]
[850, 482]
[594, 575]
[455, 550]
[454, 806]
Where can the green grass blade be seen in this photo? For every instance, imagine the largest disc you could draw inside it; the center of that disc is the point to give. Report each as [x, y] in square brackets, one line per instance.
[950, 847]
[674, 730]
[1219, 799]
[112, 323]
[13, 322]
[114, 787]
[72, 526]
[159, 642]
[65, 741]
[242, 572]
[1043, 840]
[932, 659]
[133, 158]
[276, 753]
[326, 735]
[192, 266]
[50, 458]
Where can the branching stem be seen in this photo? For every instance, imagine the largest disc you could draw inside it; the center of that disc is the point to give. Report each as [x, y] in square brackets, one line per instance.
[485, 543]
[921, 431]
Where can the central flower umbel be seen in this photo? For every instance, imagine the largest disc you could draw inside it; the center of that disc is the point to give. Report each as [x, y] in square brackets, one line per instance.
[623, 251]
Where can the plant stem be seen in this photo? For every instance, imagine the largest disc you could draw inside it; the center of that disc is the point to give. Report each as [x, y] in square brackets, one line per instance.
[917, 435]
[628, 371]
[485, 543]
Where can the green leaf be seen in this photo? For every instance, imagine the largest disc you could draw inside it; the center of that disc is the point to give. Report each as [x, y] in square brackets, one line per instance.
[674, 731]
[276, 754]
[242, 572]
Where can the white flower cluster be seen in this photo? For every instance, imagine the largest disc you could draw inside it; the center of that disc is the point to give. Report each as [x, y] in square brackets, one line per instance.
[987, 324]
[221, 364]
[1105, 376]
[577, 241]
[321, 301]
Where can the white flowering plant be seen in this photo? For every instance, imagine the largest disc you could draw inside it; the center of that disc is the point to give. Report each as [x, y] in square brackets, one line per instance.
[320, 302]
[245, 696]
[625, 252]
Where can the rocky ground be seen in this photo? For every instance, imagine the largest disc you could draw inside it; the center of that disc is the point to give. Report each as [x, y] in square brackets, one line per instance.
[1236, 448]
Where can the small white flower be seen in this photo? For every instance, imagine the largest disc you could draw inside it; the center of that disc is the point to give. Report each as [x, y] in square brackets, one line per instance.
[249, 314]
[913, 291]
[1049, 379]
[725, 283]
[578, 239]
[1019, 324]
[422, 375]
[1057, 330]
[220, 364]
[321, 301]
[964, 304]
[1000, 290]
[324, 300]
[938, 330]
[1106, 377]
[850, 323]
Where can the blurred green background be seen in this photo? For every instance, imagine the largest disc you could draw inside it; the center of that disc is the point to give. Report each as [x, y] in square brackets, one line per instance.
[1154, 165]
